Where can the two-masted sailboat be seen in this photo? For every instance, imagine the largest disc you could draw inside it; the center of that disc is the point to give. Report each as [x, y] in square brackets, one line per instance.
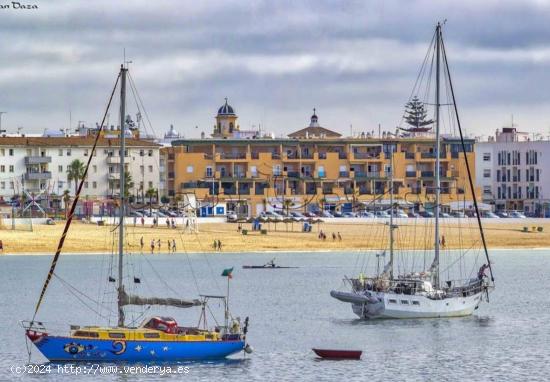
[421, 293]
[158, 338]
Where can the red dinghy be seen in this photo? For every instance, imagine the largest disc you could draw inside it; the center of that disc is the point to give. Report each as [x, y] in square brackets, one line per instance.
[338, 354]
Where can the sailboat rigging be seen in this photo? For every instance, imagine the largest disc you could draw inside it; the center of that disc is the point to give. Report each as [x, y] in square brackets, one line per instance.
[422, 294]
[158, 338]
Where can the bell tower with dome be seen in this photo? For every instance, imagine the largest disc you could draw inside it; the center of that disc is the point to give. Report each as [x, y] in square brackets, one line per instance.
[226, 122]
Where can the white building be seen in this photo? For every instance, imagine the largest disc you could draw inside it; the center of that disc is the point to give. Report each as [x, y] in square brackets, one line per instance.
[38, 164]
[510, 170]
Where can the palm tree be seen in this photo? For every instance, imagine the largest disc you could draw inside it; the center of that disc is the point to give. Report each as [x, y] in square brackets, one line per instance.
[287, 204]
[66, 199]
[128, 184]
[75, 172]
[150, 193]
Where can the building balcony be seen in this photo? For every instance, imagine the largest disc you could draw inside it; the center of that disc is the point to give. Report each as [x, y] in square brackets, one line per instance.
[114, 175]
[409, 155]
[37, 159]
[343, 174]
[38, 175]
[231, 156]
[426, 174]
[411, 174]
[112, 159]
[293, 174]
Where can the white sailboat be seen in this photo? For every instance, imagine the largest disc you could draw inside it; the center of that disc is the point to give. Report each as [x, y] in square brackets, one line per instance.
[422, 294]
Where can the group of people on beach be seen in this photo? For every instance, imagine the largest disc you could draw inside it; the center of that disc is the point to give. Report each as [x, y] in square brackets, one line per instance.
[170, 222]
[323, 236]
[158, 244]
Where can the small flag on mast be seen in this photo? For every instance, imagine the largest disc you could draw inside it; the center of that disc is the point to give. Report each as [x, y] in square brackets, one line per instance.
[228, 272]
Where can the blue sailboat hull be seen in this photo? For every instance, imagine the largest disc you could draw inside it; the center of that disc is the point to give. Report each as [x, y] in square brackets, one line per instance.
[58, 348]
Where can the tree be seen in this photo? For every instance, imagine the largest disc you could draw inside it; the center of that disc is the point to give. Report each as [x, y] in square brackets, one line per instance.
[287, 204]
[128, 184]
[75, 172]
[150, 193]
[66, 199]
[164, 199]
[415, 115]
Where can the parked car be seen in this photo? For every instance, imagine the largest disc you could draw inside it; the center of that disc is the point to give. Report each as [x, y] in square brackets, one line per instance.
[231, 216]
[326, 214]
[444, 215]
[297, 215]
[517, 215]
[413, 214]
[489, 215]
[350, 215]
[337, 214]
[399, 214]
[366, 214]
[458, 214]
[310, 214]
[502, 214]
[426, 214]
[271, 214]
[381, 214]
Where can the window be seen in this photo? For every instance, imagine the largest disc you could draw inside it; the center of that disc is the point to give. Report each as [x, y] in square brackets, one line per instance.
[3, 185]
[392, 301]
[487, 190]
[405, 302]
[82, 333]
[11, 152]
[142, 169]
[12, 185]
[60, 184]
[150, 168]
[85, 184]
[94, 184]
[141, 153]
[487, 173]
[190, 169]
[254, 170]
[150, 184]
[151, 335]
[85, 152]
[416, 302]
[60, 152]
[2, 152]
[321, 171]
[94, 168]
[60, 168]
[277, 170]
[11, 168]
[486, 157]
[117, 335]
[2, 168]
[150, 153]
[68, 152]
[209, 172]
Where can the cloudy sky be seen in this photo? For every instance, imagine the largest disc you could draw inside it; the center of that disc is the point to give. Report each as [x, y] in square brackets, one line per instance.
[355, 61]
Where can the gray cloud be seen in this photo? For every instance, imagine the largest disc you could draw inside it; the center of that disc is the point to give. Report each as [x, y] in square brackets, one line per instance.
[356, 61]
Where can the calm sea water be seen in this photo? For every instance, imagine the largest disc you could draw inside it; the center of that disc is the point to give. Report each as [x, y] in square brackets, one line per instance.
[291, 311]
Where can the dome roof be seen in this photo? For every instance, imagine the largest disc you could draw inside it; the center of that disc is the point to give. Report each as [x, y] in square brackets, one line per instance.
[226, 109]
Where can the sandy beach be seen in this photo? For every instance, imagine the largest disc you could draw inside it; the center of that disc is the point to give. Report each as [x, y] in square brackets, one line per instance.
[90, 238]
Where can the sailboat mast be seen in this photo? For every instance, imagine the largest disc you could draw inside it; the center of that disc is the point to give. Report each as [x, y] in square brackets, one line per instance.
[391, 213]
[122, 206]
[437, 155]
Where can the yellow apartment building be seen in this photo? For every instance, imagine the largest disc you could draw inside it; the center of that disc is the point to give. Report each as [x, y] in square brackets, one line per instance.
[313, 168]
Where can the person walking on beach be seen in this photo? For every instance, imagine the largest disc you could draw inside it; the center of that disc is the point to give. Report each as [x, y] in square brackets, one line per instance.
[215, 245]
[152, 246]
[169, 246]
[339, 236]
[142, 221]
[141, 243]
[173, 245]
[158, 244]
[333, 236]
[219, 245]
[167, 223]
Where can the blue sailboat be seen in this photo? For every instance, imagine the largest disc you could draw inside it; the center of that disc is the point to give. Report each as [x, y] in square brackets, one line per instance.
[158, 338]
